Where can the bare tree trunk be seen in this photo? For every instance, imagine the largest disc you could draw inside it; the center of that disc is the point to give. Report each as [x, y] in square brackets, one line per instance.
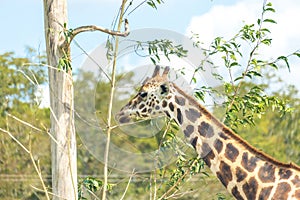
[64, 163]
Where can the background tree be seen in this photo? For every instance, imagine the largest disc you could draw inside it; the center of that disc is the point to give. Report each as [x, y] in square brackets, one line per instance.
[251, 106]
[19, 101]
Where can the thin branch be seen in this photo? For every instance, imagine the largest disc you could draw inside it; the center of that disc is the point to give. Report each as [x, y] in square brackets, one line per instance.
[127, 186]
[38, 171]
[109, 115]
[255, 48]
[37, 168]
[41, 190]
[177, 182]
[33, 127]
[23, 122]
[16, 140]
[90, 28]
[92, 59]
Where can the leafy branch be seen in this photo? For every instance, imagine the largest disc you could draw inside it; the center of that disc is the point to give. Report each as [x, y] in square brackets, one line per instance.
[157, 48]
[243, 108]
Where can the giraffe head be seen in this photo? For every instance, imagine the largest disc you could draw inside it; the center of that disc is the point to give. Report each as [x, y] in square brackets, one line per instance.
[150, 100]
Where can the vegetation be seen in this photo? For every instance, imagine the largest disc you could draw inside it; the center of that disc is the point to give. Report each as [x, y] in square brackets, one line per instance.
[262, 115]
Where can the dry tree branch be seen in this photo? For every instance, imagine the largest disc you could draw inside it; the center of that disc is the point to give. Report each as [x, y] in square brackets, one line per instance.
[51, 193]
[109, 115]
[36, 167]
[38, 171]
[127, 186]
[31, 126]
[15, 139]
[90, 28]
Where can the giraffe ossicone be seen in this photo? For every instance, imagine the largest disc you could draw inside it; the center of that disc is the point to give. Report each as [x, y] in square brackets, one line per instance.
[245, 172]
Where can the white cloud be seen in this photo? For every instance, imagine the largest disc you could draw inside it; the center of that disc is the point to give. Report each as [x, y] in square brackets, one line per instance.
[225, 21]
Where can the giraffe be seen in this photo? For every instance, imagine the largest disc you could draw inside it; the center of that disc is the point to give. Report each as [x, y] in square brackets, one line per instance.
[246, 172]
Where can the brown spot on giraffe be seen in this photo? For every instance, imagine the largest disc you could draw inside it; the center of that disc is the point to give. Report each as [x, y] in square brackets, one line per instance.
[205, 150]
[224, 174]
[179, 116]
[164, 103]
[282, 191]
[144, 110]
[171, 106]
[188, 130]
[207, 154]
[236, 193]
[192, 114]
[267, 173]
[218, 144]
[297, 194]
[167, 113]
[205, 130]
[194, 142]
[296, 181]
[250, 188]
[231, 152]
[240, 174]
[265, 193]
[180, 100]
[284, 173]
[248, 164]
[141, 106]
[223, 136]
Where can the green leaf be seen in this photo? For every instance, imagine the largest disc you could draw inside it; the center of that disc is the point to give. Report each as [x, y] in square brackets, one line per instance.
[258, 21]
[273, 65]
[238, 78]
[153, 60]
[234, 64]
[284, 58]
[266, 41]
[270, 9]
[265, 30]
[270, 21]
[269, 4]
[297, 54]
[152, 4]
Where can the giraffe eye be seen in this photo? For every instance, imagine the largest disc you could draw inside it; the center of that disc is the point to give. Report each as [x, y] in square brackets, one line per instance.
[164, 89]
[143, 94]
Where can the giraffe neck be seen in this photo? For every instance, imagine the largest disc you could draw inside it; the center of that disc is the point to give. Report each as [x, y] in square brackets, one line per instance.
[246, 172]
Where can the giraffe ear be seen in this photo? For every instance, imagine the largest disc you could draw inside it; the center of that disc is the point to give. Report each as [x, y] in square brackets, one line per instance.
[164, 88]
[156, 71]
[166, 72]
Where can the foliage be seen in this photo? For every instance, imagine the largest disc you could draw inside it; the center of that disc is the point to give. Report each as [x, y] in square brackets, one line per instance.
[153, 3]
[243, 107]
[91, 184]
[17, 77]
[18, 95]
[261, 114]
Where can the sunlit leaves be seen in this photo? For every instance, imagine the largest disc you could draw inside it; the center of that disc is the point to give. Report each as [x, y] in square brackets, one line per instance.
[92, 185]
[158, 48]
[153, 3]
[245, 108]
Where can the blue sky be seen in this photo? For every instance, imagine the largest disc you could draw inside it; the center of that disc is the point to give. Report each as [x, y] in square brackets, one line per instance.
[22, 23]
[23, 20]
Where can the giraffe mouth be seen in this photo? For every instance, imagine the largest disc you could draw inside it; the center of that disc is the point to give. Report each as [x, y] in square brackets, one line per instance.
[124, 118]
